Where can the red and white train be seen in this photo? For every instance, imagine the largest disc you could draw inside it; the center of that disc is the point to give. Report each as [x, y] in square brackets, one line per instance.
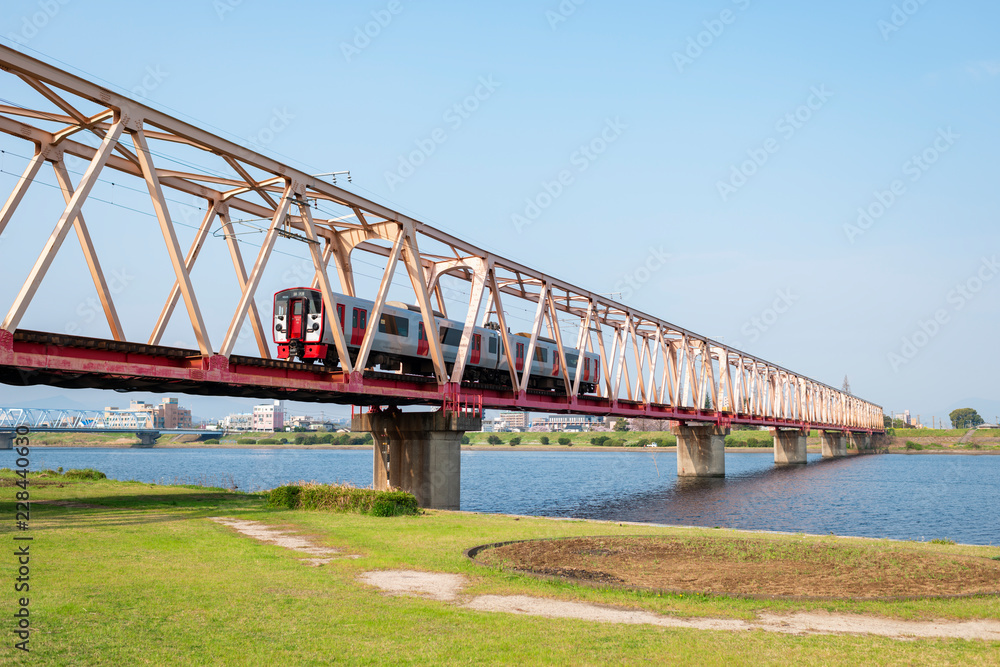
[302, 330]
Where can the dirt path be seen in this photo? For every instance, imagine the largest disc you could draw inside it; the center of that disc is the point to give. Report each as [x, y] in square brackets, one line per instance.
[447, 587]
[967, 437]
[269, 535]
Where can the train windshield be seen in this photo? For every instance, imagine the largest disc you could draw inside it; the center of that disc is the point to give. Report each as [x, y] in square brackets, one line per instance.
[306, 299]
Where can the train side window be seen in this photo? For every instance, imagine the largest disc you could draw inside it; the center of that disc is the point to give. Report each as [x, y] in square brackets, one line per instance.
[572, 360]
[493, 345]
[395, 326]
[541, 354]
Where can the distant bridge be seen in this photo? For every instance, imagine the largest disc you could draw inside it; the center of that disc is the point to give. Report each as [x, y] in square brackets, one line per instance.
[63, 420]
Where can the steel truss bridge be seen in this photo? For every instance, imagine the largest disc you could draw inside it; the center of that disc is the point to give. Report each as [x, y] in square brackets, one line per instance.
[65, 420]
[650, 367]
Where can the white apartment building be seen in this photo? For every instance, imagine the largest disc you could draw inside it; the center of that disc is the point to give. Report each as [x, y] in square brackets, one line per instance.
[268, 418]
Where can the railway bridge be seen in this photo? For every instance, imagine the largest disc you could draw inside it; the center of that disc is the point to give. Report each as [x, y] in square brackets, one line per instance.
[74, 137]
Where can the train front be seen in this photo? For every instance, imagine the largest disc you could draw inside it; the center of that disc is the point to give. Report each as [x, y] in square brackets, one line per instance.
[298, 324]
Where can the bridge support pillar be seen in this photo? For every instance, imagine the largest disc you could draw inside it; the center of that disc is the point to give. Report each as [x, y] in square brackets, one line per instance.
[6, 441]
[701, 449]
[147, 438]
[789, 445]
[834, 444]
[419, 452]
[862, 441]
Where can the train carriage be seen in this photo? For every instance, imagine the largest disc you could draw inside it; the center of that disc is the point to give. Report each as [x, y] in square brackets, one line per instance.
[302, 331]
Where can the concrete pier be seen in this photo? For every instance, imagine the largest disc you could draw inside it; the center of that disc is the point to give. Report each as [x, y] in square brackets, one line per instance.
[834, 444]
[862, 441]
[7, 440]
[701, 449]
[418, 452]
[147, 438]
[789, 445]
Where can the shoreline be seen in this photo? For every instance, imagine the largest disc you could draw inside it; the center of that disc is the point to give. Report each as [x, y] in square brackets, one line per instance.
[812, 449]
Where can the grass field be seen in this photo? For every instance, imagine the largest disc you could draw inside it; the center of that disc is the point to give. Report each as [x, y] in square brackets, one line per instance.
[132, 573]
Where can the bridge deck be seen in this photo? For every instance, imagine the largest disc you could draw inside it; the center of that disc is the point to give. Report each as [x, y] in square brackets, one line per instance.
[29, 358]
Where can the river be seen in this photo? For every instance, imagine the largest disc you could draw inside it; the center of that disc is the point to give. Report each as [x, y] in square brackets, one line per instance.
[918, 497]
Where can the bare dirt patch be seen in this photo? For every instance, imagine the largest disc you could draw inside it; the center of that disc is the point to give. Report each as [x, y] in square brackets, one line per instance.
[283, 538]
[434, 585]
[752, 567]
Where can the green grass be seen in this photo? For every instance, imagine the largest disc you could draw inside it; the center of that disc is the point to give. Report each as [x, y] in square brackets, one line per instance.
[145, 578]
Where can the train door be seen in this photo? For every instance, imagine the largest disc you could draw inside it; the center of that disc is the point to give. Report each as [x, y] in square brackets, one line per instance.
[477, 348]
[423, 347]
[586, 369]
[555, 363]
[519, 357]
[340, 314]
[359, 323]
[297, 316]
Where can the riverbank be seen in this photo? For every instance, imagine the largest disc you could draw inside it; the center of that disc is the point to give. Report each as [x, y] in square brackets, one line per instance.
[222, 597]
[941, 442]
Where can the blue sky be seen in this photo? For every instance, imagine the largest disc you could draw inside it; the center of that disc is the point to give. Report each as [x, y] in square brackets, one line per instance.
[746, 137]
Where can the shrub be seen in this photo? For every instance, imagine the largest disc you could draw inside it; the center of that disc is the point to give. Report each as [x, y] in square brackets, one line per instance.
[544, 440]
[516, 440]
[85, 473]
[617, 442]
[246, 441]
[914, 445]
[643, 442]
[211, 441]
[599, 440]
[494, 440]
[285, 497]
[267, 441]
[940, 540]
[363, 439]
[342, 498]
[466, 439]
[563, 440]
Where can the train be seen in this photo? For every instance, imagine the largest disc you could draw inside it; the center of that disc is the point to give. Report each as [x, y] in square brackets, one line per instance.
[301, 330]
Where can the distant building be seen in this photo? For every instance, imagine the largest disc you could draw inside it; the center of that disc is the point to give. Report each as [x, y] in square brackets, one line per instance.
[237, 422]
[512, 420]
[268, 418]
[143, 415]
[171, 415]
[565, 422]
